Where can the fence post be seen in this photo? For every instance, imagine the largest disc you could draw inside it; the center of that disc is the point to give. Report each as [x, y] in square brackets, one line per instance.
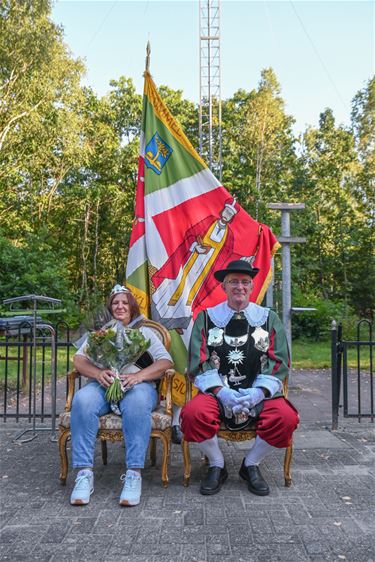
[334, 376]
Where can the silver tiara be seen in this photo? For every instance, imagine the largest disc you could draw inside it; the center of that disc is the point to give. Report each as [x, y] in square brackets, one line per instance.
[119, 289]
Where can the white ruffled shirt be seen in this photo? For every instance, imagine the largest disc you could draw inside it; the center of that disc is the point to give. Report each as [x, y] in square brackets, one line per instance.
[222, 313]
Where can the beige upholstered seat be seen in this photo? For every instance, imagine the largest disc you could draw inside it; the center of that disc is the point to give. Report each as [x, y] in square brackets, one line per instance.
[110, 424]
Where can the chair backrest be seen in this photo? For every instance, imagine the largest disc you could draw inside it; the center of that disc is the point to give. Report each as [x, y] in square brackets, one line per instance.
[160, 331]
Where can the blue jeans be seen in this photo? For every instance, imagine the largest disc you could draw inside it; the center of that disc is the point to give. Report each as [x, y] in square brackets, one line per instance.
[136, 407]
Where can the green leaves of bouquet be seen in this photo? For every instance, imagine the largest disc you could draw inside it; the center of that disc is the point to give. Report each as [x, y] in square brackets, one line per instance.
[115, 348]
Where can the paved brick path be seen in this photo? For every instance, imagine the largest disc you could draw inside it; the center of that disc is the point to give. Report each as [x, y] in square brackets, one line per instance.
[327, 514]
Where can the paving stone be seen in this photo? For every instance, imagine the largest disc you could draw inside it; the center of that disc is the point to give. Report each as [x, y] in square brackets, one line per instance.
[193, 553]
[156, 549]
[218, 545]
[193, 517]
[56, 532]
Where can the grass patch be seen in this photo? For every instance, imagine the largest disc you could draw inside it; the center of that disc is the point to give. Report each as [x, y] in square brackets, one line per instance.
[11, 371]
[317, 355]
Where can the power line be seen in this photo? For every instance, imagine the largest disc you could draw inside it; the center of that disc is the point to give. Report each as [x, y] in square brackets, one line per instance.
[101, 23]
[319, 57]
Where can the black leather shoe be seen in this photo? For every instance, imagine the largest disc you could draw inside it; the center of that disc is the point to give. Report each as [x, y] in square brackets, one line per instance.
[255, 481]
[176, 434]
[215, 478]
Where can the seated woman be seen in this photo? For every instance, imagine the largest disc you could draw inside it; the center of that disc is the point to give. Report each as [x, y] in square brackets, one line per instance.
[138, 402]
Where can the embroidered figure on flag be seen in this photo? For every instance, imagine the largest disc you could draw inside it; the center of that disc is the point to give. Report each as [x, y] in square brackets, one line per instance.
[186, 278]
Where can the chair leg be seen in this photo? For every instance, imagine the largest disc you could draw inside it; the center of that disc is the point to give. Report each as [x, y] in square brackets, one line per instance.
[104, 452]
[287, 463]
[63, 437]
[166, 441]
[153, 451]
[187, 462]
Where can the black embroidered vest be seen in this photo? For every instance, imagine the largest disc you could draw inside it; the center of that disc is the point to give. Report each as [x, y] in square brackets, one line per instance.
[232, 350]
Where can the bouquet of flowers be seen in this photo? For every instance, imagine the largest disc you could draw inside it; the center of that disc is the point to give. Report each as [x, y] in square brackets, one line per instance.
[115, 348]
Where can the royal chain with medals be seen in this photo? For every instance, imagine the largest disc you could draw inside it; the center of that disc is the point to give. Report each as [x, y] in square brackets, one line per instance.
[236, 356]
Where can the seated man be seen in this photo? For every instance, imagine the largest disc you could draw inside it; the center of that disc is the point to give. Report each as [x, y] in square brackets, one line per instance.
[238, 358]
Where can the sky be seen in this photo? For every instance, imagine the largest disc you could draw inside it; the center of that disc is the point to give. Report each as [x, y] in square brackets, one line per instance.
[322, 51]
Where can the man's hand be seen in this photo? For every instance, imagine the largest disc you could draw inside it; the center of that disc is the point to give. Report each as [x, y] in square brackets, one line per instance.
[253, 395]
[201, 248]
[105, 377]
[231, 398]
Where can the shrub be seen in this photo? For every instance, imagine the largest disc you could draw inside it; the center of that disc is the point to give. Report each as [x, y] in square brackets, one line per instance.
[317, 324]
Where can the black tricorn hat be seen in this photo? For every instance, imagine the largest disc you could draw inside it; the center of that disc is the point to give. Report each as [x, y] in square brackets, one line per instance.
[236, 266]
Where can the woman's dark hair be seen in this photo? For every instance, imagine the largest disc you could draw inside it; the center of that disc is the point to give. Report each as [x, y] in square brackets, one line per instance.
[133, 305]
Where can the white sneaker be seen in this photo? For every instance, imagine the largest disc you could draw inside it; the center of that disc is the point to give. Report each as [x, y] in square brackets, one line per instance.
[131, 492]
[83, 488]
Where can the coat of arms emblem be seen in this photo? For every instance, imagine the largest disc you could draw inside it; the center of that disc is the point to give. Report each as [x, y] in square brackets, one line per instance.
[157, 153]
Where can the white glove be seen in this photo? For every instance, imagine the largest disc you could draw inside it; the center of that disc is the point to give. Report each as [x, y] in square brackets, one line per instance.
[253, 396]
[231, 398]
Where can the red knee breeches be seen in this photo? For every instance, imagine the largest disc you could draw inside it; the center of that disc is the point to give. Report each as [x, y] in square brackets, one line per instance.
[200, 420]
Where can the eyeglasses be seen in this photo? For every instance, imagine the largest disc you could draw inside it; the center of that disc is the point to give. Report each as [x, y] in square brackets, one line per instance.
[237, 282]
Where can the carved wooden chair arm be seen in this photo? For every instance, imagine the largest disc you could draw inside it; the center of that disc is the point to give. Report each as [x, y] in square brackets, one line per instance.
[189, 388]
[169, 374]
[72, 376]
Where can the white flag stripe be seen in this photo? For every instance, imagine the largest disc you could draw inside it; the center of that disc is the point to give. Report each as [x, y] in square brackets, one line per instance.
[137, 256]
[179, 192]
[142, 145]
[168, 198]
[156, 252]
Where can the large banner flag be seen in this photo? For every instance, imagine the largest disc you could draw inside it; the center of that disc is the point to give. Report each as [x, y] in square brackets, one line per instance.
[186, 226]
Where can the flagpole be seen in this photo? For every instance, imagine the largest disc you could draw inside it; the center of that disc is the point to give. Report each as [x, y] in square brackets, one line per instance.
[148, 52]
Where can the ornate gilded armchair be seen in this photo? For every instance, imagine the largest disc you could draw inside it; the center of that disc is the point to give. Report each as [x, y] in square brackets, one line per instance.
[110, 424]
[241, 435]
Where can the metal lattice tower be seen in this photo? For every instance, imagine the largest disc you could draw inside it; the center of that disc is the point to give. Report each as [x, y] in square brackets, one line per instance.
[210, 145]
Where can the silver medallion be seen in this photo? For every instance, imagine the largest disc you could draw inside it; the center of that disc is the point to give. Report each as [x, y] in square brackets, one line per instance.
[241, 418]
[234, 378]
[261, 339]
[236, 341]
[215, 337]
[215, 360]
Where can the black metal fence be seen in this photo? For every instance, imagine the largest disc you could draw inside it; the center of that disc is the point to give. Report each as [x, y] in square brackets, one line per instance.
[24, 361]
[353, 388]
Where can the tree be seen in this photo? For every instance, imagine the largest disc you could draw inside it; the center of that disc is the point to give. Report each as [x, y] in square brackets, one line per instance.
[259, 137]
[334, 212]
[40, 137]
[362, 291]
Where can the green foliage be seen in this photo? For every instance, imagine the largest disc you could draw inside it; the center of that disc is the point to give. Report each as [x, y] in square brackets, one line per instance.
[40, 125]
[184, 111]
[316, 325]
[338, 221]
[33, 269]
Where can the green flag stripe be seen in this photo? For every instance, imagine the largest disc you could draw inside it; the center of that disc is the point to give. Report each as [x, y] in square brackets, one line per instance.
[139, 277]
[179, 165]
[178, 352]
